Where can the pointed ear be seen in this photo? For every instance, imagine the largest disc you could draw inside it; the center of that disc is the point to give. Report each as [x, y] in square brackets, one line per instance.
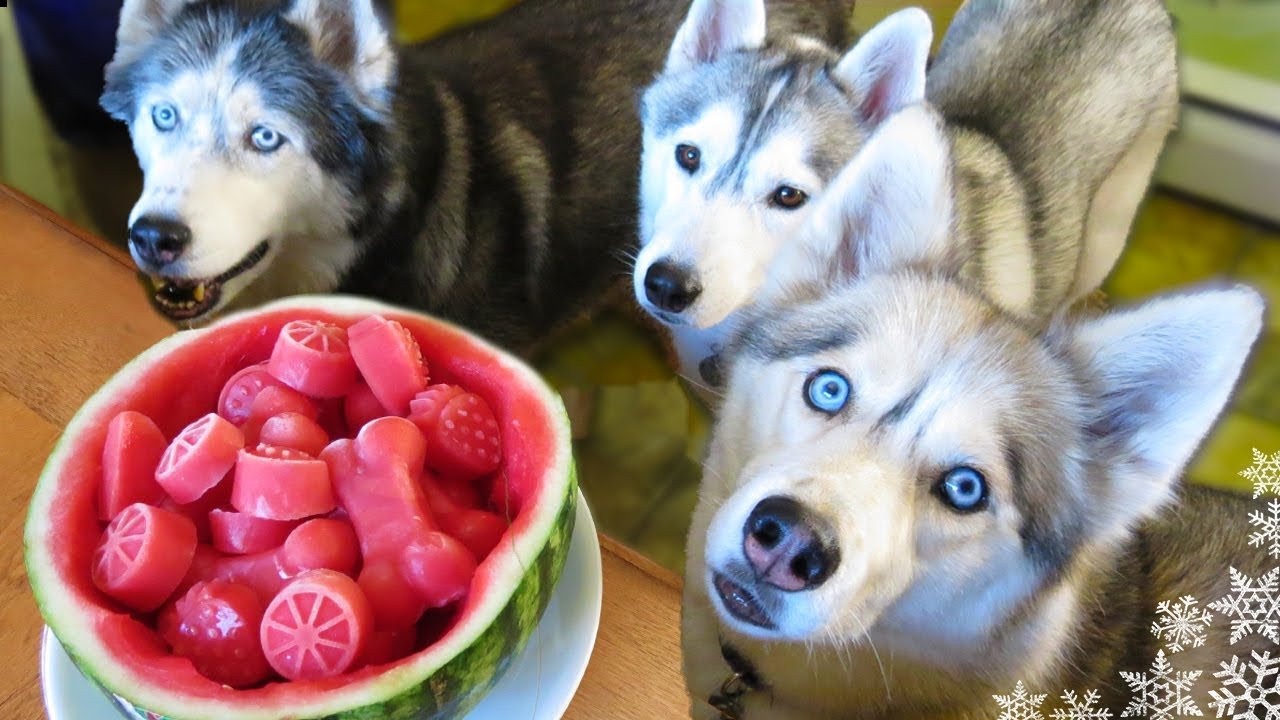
[140, 22]
[715, 27]
[890, 207]
[1162, 373]
[349, 36]
[885, 70]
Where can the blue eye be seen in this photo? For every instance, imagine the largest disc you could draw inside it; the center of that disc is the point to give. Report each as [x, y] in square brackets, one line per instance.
[964, 489]
[827, 391]
[165, 117]
[265, 139]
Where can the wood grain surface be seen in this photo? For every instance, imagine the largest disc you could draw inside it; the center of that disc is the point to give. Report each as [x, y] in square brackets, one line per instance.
[71, 314]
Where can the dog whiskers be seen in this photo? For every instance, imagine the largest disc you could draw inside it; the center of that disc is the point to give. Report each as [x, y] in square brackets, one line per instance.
[888, 691]
[708, 470]
[701, 386]
[712, 472]
[627, 255]
[844, 653]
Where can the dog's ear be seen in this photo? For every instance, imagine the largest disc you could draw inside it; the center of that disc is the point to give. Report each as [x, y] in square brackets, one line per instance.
[885, 70]
[715, 27]
[140, 22]
[1160, 375]
[348, 35]
[890, 207]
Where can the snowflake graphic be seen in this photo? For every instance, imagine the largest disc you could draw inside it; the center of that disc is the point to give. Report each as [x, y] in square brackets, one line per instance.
[1257, 694]
[1021, 705]
[1253, 605]
[1163, 693]
[1269, 529]
[1181, 624]
[1264, 473]
[1081, 708]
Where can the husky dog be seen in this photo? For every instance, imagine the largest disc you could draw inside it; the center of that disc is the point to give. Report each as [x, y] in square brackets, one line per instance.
[1056, 111]
[487, 176]
[914, 499]
[740, 133]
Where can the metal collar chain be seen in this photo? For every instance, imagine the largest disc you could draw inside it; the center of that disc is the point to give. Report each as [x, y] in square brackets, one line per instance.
[742, 679]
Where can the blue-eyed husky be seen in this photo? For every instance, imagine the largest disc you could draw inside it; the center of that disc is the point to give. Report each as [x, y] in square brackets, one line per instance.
[1056, 111]
[488, 176]
[915, 499]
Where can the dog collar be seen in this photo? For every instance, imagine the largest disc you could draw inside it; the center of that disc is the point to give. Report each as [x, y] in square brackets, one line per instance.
[743, 679]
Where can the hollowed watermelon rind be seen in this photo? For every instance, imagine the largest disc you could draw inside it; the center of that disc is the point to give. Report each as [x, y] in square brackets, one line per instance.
[449, 677]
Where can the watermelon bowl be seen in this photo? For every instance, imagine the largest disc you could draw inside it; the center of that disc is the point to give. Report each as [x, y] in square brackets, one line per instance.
[472, 641]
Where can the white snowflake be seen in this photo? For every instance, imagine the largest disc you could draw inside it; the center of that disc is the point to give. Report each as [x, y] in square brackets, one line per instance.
[1181, 624]
[1253, 606]
[1269, 529]
[1021, 705]
[1163, 693]
[1257, 694]
[1081, 708]
[1264, 473]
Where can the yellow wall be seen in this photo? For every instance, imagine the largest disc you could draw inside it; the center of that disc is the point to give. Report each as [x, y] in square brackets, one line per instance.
[422, 19]
[868, 12]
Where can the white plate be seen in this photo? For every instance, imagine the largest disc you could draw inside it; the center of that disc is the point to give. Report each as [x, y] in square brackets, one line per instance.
[538, 685]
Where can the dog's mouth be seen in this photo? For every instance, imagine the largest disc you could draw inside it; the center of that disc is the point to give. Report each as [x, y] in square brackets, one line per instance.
[741, 603]
[187, 298]
[668, 318]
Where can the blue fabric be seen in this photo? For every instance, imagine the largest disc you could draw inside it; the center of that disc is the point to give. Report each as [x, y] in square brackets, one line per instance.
[67, 44]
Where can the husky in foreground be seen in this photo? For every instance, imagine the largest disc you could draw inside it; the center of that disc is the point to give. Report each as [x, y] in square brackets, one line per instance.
[487, 176]
[914, 499]
[1056, 111]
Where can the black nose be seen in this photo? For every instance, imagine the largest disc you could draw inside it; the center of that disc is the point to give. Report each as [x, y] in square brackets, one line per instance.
[671, 287]
[159, 241]
[788, 546]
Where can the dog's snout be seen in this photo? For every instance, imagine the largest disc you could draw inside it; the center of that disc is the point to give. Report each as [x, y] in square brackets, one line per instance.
[158, 240]
[671, 287]
[788, 546]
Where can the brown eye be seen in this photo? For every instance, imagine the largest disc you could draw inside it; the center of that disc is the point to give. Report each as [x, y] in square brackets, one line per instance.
[788, 198]
[688, 157]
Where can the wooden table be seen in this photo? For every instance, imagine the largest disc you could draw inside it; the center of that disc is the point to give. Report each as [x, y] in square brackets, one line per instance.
[71, 314]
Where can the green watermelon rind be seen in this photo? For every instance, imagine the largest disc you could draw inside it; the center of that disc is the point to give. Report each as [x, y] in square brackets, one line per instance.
[443, 682]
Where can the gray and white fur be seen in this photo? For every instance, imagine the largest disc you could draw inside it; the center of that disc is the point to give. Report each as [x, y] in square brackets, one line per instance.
[771, 122]
[1057, 111]
[486, 176]
[1054, 114]
[915, 499]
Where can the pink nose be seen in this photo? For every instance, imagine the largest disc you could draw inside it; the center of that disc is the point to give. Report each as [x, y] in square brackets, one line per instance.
[782, 542]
